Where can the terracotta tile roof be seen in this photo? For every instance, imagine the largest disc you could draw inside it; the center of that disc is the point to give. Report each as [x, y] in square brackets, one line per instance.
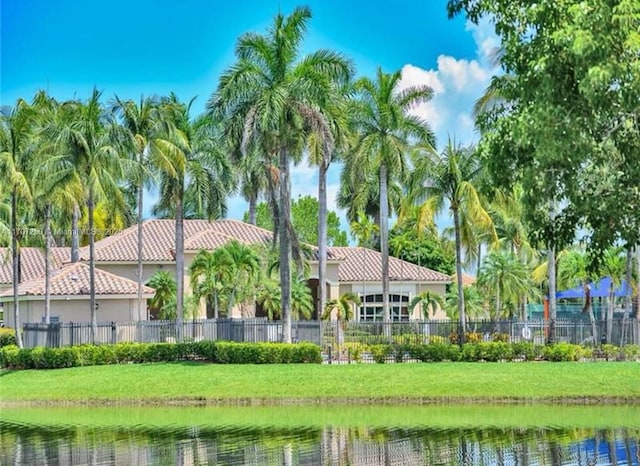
[73, 279]
[31, 262]
[467, 280]
[159, 239]
[353, 268]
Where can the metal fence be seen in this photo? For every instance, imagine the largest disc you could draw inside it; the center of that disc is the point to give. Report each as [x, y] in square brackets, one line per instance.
[331, 335]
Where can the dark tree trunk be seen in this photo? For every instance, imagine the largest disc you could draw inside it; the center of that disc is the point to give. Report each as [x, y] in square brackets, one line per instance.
[253, 206]
[627, 298]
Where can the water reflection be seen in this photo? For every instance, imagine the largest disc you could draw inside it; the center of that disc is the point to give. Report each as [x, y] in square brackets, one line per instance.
[25, 443]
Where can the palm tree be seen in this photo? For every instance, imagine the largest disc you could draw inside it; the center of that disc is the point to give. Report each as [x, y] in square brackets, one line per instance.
[148, 130]
[614, 266]
[301, 299]
[384, 134]
[363, 230]
[281, 98]
[505, 275]
[341, 308]
[573, 269]
[199, 184]
[473, 303]
[88, 152]
[16, 153]
[429, 303]
[165, 296]
[445, 179]
[209, 271]
[243, 267]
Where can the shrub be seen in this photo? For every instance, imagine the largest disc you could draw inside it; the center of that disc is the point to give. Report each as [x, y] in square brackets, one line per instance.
[434, 339]
[610, 352]
[562, 352]
[527, 350]
[469, 337]
[381, 352]
[502, 337]
[631, 352]
[7, 337]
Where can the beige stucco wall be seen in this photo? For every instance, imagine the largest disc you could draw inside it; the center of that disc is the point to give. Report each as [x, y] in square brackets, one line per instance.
[130, 270]
[74, 310]
[409, 289]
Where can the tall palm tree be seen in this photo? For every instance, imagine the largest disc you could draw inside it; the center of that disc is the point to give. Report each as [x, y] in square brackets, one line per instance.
[447, 179]
[384, 135]
[89, 152]
[199, 182]
[281, 98]
[16, 153]
[148, 133]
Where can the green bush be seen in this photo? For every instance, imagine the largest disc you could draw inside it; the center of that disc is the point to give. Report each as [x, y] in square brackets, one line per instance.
[380, 353]
[562, 352]
[631, 352]
[503, 337]
[527, 350]
[469, 337]
[7, 337]
[610, 352]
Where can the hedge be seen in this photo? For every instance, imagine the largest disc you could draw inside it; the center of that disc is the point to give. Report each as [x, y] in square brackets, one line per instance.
[219, 352]
[7, 337]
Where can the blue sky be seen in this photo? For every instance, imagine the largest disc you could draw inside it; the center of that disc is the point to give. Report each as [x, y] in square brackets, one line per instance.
[135, 47]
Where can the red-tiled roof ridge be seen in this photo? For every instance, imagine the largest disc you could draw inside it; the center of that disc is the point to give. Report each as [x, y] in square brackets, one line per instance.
[73, 279]
[352, 269]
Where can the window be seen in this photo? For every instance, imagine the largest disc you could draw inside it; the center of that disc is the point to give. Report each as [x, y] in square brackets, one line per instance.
[371, 311]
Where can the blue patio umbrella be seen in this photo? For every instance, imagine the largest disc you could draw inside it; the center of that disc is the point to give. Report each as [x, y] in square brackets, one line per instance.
[599, 289]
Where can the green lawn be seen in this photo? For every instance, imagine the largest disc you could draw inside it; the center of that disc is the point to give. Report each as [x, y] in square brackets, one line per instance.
[367, 383]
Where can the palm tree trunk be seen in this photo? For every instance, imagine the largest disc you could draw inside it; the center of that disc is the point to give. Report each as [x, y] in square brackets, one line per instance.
[551, 269]
[384, 241]
[285, 244]
[15, 256]
[92, 271]
[75, 236]
[627, 298]
[588, 306]
[140, 239]
[180, 256]
[253, 207]
[47, 264]
[461, 311]
[364, 283]
[322, 235]
[637, 319]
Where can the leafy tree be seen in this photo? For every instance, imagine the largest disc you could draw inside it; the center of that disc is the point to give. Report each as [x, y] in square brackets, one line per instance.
[89, 152]
[282, 98]
[565, 125]
[304, 217]
[164, 298]
[613, 265]
[200, 180]
[301, 299]
[447, 180]
[426, 249]
[384, 134]
[342, 307]
[147, 137]
[428, 301]
[505, 277]
[16, 150]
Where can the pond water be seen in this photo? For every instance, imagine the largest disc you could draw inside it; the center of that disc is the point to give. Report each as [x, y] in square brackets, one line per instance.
[383, 435]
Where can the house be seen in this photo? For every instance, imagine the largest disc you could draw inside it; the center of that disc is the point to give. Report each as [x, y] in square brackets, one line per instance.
[115, 297]
[349, 269]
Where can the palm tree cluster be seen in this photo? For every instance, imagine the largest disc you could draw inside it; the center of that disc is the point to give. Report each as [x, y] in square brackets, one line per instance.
[65, 163]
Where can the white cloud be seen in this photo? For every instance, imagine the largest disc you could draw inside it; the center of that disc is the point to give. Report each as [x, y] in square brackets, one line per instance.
[457, 84]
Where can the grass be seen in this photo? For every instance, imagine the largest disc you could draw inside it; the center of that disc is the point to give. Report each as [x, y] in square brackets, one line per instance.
[433, 416]
[326, 384]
